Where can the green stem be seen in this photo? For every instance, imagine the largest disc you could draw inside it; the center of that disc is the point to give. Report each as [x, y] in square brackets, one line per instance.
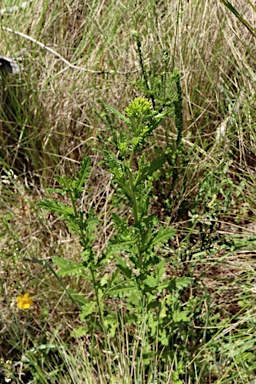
[84, 244]
[134, 204]
[73, 202]
[133, 194]
[97, 295]
[81, 230]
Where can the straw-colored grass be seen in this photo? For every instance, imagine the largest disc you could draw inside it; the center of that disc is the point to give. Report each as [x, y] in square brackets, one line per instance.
[75, 57]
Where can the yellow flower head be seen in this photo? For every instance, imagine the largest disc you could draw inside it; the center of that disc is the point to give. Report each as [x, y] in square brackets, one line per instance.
[139, 107]
[24, 301]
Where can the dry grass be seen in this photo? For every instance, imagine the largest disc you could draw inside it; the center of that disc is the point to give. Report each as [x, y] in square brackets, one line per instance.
[213, 60]
[76, 54]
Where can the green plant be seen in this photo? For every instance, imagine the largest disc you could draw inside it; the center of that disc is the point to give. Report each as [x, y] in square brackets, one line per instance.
[164, 90]
[48, 119]
[138, 278]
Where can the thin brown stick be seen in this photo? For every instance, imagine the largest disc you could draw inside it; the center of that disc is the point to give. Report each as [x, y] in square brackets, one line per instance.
[69, 65]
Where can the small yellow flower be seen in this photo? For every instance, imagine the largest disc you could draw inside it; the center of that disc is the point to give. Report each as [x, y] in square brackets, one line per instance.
[24, 301]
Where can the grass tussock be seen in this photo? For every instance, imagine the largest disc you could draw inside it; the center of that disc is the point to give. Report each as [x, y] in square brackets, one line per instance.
[186, 180]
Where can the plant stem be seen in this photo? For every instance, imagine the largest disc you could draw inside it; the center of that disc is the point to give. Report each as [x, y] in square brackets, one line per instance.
[133, 194]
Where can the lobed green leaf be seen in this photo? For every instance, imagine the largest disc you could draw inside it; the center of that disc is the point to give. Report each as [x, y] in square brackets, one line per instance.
[68, 267]
[56, 207]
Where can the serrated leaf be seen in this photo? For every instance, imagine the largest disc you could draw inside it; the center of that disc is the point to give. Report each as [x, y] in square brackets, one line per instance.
[87, 309]
[160, 269]
[151, 281]
[179, 283]
[68, 267]
[163, 235]
[82, 176]
[150, 169]
[159, 238]
[121, 224]
[104, 279]
[163, 337]
[182, 282]
[122, 266]
[56, 207]
[162, 313]
[122, 289]
[79, 332]
[155, 165]
[111, 323]
[73, 225]
[125, 187]
[121, 246]
[133, 299]
[56, 190]
[65, 181]
[180, 316]
[164, 285]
